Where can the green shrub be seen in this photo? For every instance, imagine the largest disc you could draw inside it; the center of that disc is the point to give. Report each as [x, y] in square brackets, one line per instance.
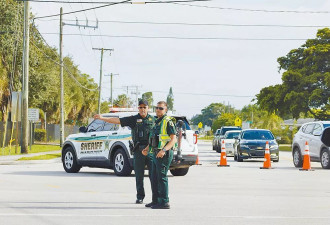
[40, 134]
[284, 140]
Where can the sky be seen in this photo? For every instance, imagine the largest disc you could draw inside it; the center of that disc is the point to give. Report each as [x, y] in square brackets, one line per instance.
[210, 64]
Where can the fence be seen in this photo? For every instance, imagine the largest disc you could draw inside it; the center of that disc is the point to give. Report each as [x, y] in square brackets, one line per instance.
[52, 131]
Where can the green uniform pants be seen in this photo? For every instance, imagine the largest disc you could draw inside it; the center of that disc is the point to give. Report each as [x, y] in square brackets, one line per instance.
[160, 167]
[140, 161]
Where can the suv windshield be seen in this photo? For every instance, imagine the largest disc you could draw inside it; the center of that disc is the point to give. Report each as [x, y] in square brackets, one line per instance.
[225, 129]
[231, 135]
[257, 135]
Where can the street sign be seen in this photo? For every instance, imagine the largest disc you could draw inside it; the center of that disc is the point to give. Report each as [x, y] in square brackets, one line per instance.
[238, 122]
[33, 115]
[200, 125]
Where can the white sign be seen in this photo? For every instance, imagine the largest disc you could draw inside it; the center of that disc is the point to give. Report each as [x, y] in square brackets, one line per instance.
[207, 128]
[245, 125]
[33, 114]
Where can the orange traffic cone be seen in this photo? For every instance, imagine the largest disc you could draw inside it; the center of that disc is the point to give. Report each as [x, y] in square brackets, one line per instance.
[307, 159]
[267, 164]
[223, 156]
[197, 161]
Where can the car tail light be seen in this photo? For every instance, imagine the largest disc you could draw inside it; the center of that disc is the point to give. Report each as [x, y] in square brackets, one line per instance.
[195, 139]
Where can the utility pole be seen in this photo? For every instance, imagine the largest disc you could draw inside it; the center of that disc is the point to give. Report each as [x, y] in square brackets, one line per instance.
[25, 88]
[137, 92]
[126, 87]
[61, 70]
[61, 81]
[100, 85]
[111, 75]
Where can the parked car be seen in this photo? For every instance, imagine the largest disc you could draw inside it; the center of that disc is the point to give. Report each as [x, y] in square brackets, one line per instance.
[218, 138]
[230, 138]
[217, 133]
[318, 138]
[251, 143]
[106, 145]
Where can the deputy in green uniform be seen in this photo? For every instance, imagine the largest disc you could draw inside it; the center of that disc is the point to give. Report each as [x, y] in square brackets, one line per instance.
[162, 141]
[141, 125]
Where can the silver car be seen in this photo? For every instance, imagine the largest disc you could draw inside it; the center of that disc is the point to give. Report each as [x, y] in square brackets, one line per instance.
[230, 139]
[317, 136]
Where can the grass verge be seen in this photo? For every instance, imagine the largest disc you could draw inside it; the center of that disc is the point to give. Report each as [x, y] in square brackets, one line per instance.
[286, 148]
[35, 149]
[206, 138]
[41, 157]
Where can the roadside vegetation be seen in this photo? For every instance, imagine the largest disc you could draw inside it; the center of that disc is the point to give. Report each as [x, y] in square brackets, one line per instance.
[34, 149]
[304, 93]
[41, 157]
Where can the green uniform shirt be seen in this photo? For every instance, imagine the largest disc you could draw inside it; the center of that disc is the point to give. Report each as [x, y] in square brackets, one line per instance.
[140, 127]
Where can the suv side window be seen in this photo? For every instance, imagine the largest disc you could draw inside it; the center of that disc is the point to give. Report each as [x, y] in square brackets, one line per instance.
[309, 128]
[317, 129]
[110, 127]
[96, 125]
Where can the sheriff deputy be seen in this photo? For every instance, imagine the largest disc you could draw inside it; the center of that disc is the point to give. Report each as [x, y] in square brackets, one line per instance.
[162, 141]
[141, 125]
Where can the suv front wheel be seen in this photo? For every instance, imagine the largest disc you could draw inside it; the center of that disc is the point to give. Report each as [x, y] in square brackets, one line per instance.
[121, 164]
[69, 160]
[325, 159]
[297, 158]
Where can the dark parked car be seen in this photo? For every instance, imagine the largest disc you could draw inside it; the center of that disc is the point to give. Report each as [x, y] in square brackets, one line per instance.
[251, 143]
[219, 135]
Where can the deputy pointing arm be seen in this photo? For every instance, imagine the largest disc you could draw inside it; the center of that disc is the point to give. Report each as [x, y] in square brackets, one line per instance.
[114, 120]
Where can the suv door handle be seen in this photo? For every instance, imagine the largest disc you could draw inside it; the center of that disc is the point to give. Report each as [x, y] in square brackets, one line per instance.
[114, 133]
[93, 135]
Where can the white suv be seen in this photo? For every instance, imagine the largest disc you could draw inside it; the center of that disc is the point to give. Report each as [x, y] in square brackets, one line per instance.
[106, 145]
[317, 136]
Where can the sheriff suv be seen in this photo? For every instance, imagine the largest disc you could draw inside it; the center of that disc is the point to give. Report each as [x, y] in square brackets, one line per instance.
[106, 145]
[317, 134]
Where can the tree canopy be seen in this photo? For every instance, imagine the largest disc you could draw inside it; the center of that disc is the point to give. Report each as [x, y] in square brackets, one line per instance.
[123, 101]
[149, 98]
[80, 90]
[305, 84]
[170, 100]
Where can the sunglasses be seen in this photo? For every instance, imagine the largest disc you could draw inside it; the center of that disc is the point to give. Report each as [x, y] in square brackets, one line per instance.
[160, 108]
[142, 107]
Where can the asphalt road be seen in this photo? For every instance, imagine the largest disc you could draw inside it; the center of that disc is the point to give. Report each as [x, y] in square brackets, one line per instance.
[42, 193]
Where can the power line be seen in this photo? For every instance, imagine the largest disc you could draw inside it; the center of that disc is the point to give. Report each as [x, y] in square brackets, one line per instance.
[200, 24]
[193, 38]
[83, 10]
[107, 2]
[65, 67]
[205, 94]
[253, 10]
[195, 94]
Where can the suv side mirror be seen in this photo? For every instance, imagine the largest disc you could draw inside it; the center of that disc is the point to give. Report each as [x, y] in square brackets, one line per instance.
[82, 129]
[317, 133]
[196, 132]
